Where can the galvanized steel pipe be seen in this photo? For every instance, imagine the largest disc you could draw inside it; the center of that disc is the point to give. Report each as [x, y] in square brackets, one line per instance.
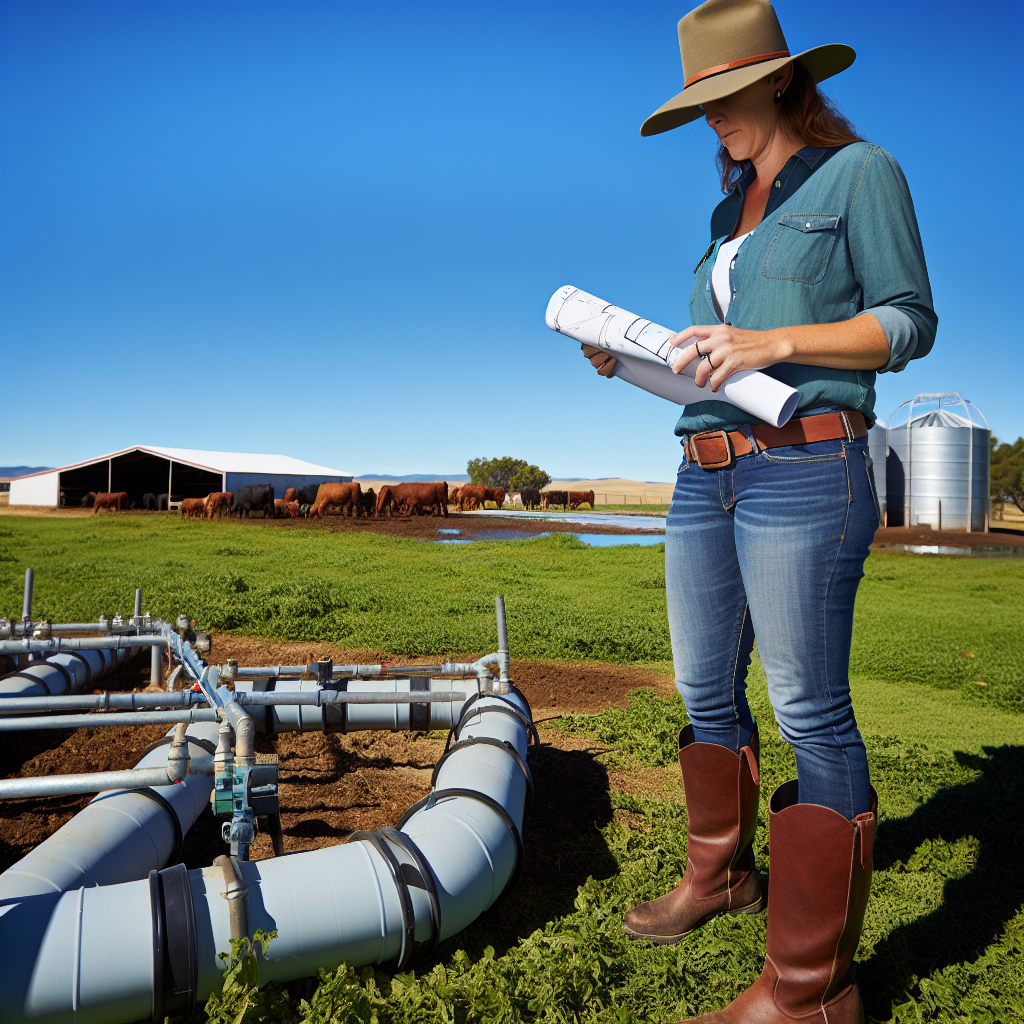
[22, 724]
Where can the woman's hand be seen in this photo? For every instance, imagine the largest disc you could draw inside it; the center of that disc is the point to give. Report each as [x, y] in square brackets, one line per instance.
[857, 344]
[602, 361]
[724, 350]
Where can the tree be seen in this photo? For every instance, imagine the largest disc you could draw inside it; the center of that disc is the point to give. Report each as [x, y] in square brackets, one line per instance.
[1007, 471]
[529, 476]
[506, 472]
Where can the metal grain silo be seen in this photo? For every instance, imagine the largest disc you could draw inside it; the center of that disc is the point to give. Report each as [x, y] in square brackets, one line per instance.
[937, 472]
[878, 450]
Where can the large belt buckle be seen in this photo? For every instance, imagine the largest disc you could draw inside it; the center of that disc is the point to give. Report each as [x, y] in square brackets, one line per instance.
[730, 454]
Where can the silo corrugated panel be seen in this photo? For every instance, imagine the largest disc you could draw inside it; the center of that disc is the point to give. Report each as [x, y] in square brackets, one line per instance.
[877, 451]
[938, 472]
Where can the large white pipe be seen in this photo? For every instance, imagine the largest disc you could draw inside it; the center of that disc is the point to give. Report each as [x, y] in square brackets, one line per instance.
[87, 955]
[120, 835]
[355, 717]
[62, 673]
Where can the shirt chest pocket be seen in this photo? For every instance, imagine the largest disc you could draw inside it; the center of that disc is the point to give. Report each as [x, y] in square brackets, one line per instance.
[801, 246]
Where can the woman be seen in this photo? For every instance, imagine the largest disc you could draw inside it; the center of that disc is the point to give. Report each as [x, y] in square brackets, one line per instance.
[815, 273]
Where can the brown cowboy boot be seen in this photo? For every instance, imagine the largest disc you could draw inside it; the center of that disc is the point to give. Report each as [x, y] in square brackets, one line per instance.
[722, 790]
[817, 891]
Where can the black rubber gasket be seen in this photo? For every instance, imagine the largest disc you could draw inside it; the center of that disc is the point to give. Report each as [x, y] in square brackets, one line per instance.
[402, 885]
[503, 745]
[181, 967]
[64, 672]
[425, 880]
[84, 661]
[472, 794]
[208, 745]
[156, 904]
[419, 714]
[509, 709]
[34, 679]
[522, 696]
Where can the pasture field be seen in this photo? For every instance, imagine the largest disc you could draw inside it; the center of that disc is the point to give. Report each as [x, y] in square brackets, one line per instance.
[937, 666]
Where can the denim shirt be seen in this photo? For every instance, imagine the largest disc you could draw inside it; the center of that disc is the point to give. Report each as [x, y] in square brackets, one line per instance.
[839, 237]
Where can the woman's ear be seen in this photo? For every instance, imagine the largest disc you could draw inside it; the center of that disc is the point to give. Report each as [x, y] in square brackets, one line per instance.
[782, 77]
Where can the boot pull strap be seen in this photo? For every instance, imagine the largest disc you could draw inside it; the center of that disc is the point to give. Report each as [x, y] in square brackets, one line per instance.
[751, 758]
[865, 825]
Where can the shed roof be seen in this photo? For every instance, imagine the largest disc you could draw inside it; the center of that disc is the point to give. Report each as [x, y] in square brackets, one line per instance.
[221, 462]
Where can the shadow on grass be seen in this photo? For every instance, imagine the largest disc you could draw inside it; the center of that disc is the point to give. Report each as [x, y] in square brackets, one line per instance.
[976, 907]
[564, 846]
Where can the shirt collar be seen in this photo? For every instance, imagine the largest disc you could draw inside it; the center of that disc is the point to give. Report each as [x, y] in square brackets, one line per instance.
[811, 155]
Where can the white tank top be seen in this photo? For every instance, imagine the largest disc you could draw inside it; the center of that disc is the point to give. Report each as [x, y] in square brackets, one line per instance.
[720, 286]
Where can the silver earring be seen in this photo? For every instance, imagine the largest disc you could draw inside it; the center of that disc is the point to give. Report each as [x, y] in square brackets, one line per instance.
[778, 95]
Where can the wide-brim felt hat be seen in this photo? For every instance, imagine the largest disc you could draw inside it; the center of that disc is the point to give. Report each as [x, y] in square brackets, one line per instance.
[727, 45]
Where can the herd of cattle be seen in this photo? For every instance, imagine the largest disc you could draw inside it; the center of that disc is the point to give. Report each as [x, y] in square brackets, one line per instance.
[316, 500]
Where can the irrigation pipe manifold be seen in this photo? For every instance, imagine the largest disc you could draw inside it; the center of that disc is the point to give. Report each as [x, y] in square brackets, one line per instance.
[100, 925]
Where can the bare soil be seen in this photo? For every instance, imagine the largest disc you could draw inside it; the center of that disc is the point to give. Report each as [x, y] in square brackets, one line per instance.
[334, 785]
[887, 536]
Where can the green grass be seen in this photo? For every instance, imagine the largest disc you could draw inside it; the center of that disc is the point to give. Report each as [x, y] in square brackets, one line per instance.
[937, 622]
[944, 932]
[943, 938]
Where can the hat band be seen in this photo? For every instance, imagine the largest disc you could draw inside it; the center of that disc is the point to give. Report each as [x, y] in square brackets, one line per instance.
[743, 62]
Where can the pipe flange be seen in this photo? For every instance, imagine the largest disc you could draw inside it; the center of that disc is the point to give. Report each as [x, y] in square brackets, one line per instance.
[402, 885]
[432, 798]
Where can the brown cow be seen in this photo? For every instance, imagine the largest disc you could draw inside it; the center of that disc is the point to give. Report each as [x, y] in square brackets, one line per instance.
[193, 508]
[345, 496]
[286, 509]
[217, 500]
[471, 496]
[290, 494]
[385, 500]
[549, 498]
[431, 497]
[495, 494]
[577, 498]
[453, 495]
[116, 501]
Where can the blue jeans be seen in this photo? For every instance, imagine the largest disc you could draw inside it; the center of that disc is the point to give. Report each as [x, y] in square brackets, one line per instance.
[774, 547]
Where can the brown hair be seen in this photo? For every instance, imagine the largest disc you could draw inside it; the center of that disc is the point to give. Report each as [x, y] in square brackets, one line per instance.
[809, 115]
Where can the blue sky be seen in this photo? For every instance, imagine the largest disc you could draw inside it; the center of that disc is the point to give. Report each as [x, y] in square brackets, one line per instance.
[330, 229]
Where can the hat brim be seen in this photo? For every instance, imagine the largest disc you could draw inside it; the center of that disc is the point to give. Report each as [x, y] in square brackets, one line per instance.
[821, 61]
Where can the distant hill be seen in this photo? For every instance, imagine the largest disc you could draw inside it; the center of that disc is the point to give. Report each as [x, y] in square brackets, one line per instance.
[414, 478]
[25, 470]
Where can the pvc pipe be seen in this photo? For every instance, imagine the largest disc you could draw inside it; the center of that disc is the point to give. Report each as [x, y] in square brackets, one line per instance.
[156, 665]
[61, 673]
[245, 732]
[119, 836]
[84, 782]
[20, 724]
[26, 601]
[397, 713]
[97, 643]
[189, 698]
[90, 952]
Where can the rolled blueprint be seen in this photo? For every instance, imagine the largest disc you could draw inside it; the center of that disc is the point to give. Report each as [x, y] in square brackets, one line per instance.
[645, 360]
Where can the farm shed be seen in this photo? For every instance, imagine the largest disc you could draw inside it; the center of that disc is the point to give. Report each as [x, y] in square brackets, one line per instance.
[180, 472]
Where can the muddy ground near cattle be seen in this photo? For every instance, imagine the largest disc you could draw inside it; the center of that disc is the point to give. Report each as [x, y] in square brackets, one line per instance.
[333, 785]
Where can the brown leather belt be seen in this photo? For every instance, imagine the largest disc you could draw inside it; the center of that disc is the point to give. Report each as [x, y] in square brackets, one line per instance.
[719, 449]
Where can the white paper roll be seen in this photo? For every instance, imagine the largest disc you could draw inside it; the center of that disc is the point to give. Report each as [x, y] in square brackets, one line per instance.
[644, 357]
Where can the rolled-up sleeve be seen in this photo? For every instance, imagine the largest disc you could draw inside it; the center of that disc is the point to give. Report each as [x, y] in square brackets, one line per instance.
[888, 260]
